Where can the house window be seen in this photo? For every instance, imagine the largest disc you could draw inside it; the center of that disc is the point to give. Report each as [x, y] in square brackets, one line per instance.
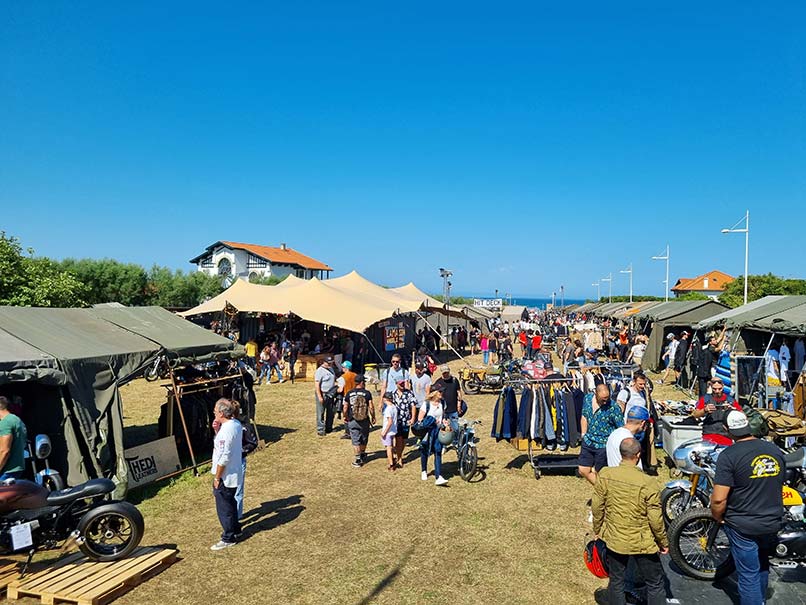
[207, 262]
[300, 273]
[224, 267]
[255, 262]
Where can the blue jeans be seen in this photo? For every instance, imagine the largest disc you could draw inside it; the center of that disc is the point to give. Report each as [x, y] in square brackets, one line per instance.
[227, 512]
[239, 489]
[485, 356]
[453, 418]
[265, 372]
[437, 456]
[275, 368]
[752, 557]
[11, 475]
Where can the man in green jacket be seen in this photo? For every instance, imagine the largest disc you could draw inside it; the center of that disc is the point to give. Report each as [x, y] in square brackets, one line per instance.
[627, 516]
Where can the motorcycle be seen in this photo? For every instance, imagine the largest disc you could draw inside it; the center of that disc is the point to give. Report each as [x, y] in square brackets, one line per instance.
[32, 519]
[161, 368]
[47, 477]
[699, 546]
[696, 460]
[475, 380]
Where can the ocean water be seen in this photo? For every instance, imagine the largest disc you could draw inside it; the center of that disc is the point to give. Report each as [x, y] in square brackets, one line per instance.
[540, 303]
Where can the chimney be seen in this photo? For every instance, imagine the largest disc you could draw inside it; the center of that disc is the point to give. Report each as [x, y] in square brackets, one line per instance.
[704, 283]
[283, 246]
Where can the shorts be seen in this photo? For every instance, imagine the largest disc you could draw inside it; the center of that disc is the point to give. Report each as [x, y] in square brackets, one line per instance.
[403, 430]
[359, 431]
[388, 440]
[594, 457]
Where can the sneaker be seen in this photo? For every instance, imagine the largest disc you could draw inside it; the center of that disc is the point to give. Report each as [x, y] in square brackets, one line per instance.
[345, 436]
[424, 476]
[318, 434]
[364, 457]
[441, 481]
[238, 536]
[221, 545]
[357, 463]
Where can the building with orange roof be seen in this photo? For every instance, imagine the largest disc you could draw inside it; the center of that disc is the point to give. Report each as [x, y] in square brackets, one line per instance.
[250, 261]
[710, 284]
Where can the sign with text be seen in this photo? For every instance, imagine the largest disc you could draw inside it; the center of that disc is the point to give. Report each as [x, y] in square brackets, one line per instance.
[394, 337]
[488, 303]
[151, 461]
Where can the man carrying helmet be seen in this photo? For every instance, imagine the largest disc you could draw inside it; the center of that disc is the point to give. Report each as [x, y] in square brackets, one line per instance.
[627, 516]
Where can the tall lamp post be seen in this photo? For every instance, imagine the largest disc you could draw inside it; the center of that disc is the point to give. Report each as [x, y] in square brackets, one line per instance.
[598, 291]
[629, 270]
[746, 231]
[609, 280]
[446, 274]
[666, 258]
[562, 296]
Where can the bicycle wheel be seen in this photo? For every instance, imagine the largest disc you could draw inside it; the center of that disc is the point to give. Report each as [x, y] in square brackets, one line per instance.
[468, 462]
[699, 546]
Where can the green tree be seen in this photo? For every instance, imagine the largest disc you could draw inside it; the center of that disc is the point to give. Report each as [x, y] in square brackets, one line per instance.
[168, 288]
[38, 282]
[760, 286]
[108, 280]
[693, 296]
[267, 281]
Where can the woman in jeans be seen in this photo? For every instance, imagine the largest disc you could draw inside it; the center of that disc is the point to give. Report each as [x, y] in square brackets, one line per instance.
[485, 348]
[432, 406]
[265, 369]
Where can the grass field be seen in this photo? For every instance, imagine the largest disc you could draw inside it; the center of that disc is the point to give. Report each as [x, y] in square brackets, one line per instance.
[320, 531]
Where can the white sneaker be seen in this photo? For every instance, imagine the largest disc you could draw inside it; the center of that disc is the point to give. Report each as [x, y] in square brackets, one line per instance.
[221, 545]
[424, 476]
[441, 481]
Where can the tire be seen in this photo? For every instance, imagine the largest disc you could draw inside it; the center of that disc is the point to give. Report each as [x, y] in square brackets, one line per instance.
[671, 502]
[111, 531]
[151, 373]
[468, 462]
[687, 535]
[53, 483]
[471, 386]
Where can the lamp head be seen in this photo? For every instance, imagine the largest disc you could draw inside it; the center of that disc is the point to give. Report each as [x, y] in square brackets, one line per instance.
[726, 231]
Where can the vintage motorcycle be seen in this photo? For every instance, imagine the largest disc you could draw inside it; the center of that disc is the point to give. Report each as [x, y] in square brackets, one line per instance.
[696, 460]
[47, 477]
[699, 546]
[32, 519]
[476, 380]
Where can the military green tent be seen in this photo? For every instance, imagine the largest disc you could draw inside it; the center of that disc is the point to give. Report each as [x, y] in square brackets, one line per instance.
[791, 322]
[68, 365]
[660, 320]
[758, 310]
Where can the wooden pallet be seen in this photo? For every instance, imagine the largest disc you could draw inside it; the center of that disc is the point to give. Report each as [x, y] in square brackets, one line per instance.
[9, 573]
[76, 579]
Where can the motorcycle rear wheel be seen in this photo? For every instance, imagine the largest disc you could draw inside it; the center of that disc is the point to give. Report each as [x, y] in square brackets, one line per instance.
[472, 386]
[671, 502]
[688, 536]
[111, 531]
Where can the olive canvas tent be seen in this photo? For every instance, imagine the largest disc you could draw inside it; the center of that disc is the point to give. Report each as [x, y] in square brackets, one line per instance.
[70, 364]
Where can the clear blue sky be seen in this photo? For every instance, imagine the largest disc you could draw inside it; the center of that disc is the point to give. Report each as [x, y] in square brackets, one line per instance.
[522, 145]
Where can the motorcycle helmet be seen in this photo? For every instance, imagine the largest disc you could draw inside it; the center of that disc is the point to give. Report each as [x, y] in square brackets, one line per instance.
[596, 558]
[422, 427]
[462, 408]
[445, 436]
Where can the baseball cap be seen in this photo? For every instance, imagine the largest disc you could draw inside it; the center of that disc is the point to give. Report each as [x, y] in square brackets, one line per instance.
[347, 364]
[684, 333]
[670, 336]
[329, 359]
[443, 369]
[419, 365]
[637, 412]
[400, 380]
[737, 424]
[359, 378]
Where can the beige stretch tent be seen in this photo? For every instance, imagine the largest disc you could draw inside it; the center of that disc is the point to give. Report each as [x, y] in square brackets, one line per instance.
[350, 302]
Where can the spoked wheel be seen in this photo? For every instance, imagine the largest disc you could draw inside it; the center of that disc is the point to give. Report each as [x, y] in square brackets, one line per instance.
[472, 386]
[111, 532]
[699, 546]
[468, 462]
[675, 501]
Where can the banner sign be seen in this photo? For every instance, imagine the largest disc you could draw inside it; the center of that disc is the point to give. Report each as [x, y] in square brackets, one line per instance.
[394, 337]
[488, 303]
[151, 461]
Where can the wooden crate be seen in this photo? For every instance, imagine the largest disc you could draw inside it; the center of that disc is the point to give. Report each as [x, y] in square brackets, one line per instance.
[76, 579]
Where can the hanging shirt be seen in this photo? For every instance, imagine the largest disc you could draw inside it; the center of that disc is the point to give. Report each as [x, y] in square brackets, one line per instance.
[784, 357]
[772, 360]
[800, 354]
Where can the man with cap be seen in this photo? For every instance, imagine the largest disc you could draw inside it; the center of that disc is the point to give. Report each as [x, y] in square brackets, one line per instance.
[668, 355]
[359, 412]
[747, 498]
[715, 408]
[324, 390]
[448, 385]
[635, 423]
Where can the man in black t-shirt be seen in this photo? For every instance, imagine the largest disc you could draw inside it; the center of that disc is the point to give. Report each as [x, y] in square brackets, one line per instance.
[747, 498]
[359, 412]
[448, 385]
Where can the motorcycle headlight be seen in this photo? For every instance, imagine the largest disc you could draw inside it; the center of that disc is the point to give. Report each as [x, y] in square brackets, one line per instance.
[42, 446]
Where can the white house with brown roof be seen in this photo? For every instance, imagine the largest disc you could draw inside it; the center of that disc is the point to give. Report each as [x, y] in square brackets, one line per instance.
[249, 261]
[710, 284]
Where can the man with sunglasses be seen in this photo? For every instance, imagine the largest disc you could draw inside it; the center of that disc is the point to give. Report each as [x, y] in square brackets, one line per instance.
[394, 374]
[715, 408]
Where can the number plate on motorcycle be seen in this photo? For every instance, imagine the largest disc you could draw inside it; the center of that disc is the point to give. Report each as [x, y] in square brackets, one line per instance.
[21, 536]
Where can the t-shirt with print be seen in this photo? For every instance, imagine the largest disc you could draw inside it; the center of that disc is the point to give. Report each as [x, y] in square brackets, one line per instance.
[754, 470]
[390, 412]
[450, 393]
[352, 396]
[419, 385]
[12, 425]
[403, 400]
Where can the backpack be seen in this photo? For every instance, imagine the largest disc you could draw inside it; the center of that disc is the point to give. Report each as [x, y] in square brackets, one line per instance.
[758, 424]
[249, 438]
[359, 407]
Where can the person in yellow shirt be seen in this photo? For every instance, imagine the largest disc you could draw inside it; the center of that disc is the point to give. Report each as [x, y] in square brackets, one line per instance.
[251, 353]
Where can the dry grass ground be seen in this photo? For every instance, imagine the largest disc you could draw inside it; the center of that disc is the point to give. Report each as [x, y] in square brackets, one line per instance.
[319, 531]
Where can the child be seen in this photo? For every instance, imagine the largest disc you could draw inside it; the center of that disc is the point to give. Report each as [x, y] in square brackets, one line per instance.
[389, 431]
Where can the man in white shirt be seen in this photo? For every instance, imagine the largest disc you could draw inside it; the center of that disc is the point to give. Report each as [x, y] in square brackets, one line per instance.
[633, 395]
[420, 383]
[227, 472]
[637, 419]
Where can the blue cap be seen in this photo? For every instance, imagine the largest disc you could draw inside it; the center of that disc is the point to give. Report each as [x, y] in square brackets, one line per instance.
[638, 413]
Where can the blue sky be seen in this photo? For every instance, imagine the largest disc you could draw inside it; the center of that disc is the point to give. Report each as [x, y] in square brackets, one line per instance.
[523, 145]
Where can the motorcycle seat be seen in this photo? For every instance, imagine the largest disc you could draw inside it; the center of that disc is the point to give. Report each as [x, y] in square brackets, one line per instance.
[93, 487]
[796, 459]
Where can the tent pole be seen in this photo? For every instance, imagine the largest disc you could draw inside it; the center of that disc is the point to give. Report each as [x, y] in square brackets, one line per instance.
[444, 339]
[380, 357]
[762, 368]
[178, 402]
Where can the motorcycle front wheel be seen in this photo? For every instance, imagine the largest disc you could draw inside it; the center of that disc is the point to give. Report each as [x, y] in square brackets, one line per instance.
[676, 500]
[468, 462]
[111, 531]
[152, 374]
[699, 546]
[472, 386]
[52, 483]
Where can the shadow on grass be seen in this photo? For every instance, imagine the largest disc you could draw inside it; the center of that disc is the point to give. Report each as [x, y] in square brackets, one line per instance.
[271, 514]
[272, 434]
[518, 462]
[387, 579]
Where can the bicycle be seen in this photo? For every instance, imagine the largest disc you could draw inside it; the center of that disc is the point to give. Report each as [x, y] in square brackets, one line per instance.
[466, 449]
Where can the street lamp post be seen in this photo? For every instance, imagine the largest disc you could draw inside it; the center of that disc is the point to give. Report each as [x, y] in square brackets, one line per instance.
[562, 296]
[666, 258]
[746, 232]
[446, 274]
[629, 270]
[609, 280]
[598, 291]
